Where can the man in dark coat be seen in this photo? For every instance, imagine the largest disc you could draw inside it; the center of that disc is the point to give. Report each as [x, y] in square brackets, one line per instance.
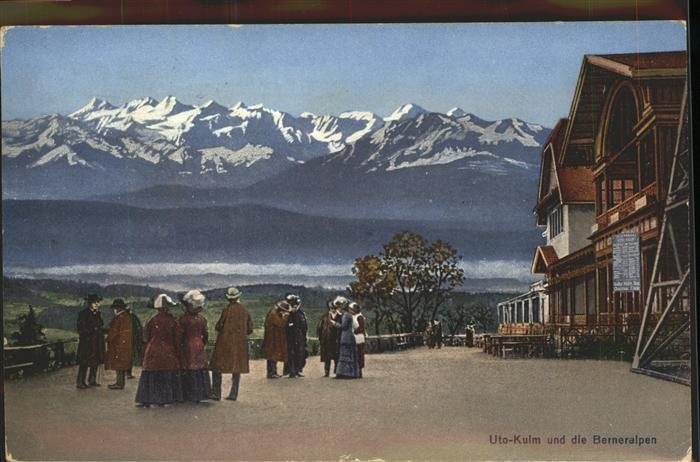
[328, 332]
[437, 333]
[297, 328]
[137, 344]
[274, 347]
[91, 347]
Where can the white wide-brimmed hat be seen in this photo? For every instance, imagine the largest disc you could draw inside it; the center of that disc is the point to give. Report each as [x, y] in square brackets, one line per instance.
[340, 301]
[232, 293]
[194, 298]
[162, 301]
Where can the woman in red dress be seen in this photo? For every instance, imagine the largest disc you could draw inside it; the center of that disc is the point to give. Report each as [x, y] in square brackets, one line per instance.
[196, 383]
[159, 383]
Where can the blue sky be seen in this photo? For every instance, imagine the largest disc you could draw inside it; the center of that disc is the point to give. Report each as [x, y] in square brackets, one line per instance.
[525, 70]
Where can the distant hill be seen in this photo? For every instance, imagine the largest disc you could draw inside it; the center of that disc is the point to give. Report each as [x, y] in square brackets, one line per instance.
[48, 233]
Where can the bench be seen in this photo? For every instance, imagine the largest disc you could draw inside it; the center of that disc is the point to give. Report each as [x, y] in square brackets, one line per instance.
[512, 347]
[401, 343]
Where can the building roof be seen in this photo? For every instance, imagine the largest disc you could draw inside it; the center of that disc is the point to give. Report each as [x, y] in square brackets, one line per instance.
[550, 151]
[640, 65]
[594, 82]
[576, 184]
[556, 137]
[545, 256]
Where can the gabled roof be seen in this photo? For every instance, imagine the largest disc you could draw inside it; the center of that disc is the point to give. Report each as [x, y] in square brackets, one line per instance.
[545, 256]
[550, 149]
[596, 76]
[576, 184]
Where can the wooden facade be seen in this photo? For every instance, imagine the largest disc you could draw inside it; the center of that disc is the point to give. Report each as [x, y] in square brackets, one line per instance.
[633, 148]
[604, 171]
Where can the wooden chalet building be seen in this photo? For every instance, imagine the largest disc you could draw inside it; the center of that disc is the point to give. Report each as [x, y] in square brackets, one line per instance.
[626, 112]
[604, 171]
[566, 208]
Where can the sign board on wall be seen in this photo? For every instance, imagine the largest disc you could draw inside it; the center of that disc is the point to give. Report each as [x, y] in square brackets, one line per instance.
[626, 262]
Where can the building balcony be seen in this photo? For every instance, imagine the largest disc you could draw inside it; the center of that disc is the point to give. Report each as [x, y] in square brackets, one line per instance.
[644, 197]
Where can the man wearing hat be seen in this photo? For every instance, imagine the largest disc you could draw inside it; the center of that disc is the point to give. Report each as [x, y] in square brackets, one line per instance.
[91, 347]
[231, 350]
[274, 347]
[119, 343]
[297, 328]
[328, 332]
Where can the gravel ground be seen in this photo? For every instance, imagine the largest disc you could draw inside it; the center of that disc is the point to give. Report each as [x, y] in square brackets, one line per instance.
[447, 404]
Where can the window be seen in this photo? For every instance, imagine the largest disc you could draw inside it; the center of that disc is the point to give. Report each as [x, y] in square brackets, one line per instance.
[526, 311]
[536, 309]
[603, 290]
[590, 293]
[556, 222]
[620, 190]
[623, 117]
[602, 196]
[579, 301]
[563, 299]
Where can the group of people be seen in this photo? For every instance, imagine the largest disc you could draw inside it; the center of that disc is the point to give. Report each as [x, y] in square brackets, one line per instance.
[432, 335]
[175, 363]
[175, 366]
[341, 335]
[125, 340]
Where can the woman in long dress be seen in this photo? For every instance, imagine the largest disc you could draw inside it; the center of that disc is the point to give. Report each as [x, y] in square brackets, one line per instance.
[348, 367]
[159, 383]
[196, 383]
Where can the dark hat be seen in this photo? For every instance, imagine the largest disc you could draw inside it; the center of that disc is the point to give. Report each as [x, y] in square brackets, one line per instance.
[93, 298]
[119, 304]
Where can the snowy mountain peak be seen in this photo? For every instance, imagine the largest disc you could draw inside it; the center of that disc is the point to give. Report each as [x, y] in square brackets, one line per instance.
[406, 111]
[209, 104]
[211, 107]
[170, 105]
[95, 104]
[456, 112]
[140, 102]
[359, 115]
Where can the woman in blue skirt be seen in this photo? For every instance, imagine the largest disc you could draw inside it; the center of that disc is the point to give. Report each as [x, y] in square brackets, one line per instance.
[348, 366]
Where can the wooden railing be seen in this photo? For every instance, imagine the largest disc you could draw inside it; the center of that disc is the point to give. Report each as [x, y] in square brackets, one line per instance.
[627, 206]
[22, 360]
[521, 329]
[19, 361]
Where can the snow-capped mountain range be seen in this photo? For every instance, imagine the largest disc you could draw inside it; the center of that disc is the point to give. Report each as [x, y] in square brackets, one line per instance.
[103, 148]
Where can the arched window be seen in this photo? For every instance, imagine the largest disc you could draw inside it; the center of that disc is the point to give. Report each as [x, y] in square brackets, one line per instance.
[620, 181]
[623, 117]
